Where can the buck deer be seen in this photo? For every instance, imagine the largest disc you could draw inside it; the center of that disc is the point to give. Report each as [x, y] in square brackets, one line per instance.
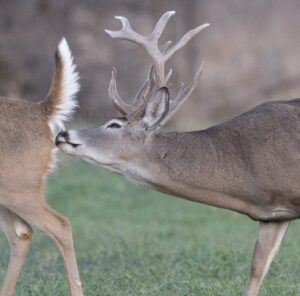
[249, 164]
[27, 132]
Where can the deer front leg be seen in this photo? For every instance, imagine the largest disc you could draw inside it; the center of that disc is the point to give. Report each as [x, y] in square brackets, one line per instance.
[269, 238]
[19, 235]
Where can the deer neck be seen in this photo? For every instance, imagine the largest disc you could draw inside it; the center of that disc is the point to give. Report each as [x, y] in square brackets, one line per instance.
[189, 165]
[168, 159]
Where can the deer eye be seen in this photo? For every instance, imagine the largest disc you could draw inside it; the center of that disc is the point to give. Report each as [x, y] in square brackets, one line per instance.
[113, 125]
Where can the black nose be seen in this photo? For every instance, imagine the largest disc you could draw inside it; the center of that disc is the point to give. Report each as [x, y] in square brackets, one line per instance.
[62, 137]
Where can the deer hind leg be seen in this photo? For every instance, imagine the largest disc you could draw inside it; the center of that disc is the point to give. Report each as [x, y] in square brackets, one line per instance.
[19, 235]
[58, 229]
[269, 238]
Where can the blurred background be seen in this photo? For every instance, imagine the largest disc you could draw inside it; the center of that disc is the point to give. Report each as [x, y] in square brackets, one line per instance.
[251, 49]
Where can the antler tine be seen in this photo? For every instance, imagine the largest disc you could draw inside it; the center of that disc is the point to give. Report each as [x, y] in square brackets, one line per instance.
[145, 88]
[184, 40]
[160, 26]
[165, 46]
[146, 91]
[183, 94]
[114, 95]
[126, 32]
[169, 75]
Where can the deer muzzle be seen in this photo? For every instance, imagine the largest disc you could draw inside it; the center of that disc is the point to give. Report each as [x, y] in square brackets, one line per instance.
[63, 138]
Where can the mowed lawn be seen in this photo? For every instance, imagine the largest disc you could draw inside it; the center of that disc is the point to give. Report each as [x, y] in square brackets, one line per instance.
[133, 241]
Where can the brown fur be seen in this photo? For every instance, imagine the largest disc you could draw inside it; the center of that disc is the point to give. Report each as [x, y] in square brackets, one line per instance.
[26, 146]
[26, 157]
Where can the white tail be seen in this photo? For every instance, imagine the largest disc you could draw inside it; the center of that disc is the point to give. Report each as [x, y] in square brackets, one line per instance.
[64, 88]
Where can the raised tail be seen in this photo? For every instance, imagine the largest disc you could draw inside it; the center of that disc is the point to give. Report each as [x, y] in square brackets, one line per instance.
[60, 102]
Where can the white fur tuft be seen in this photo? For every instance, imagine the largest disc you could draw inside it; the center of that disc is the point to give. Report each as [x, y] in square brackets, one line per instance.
[69, 88]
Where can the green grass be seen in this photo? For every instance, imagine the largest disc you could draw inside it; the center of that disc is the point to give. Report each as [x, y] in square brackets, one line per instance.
[133, 241]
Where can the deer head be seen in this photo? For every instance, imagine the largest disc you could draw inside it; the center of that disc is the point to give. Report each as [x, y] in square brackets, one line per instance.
[121, 138]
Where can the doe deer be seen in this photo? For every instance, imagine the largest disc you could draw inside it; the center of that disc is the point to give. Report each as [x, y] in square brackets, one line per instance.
[249, 164]
[27, 133]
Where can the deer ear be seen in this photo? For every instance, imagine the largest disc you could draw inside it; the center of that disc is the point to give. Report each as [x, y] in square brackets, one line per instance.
[157, 108]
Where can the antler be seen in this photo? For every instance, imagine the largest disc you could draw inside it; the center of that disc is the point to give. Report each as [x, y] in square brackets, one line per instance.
[183, 94]
[158, 56]
[123, 107]
[135, 109]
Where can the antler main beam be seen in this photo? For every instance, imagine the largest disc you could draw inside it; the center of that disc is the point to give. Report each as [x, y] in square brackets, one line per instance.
[150, 42]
